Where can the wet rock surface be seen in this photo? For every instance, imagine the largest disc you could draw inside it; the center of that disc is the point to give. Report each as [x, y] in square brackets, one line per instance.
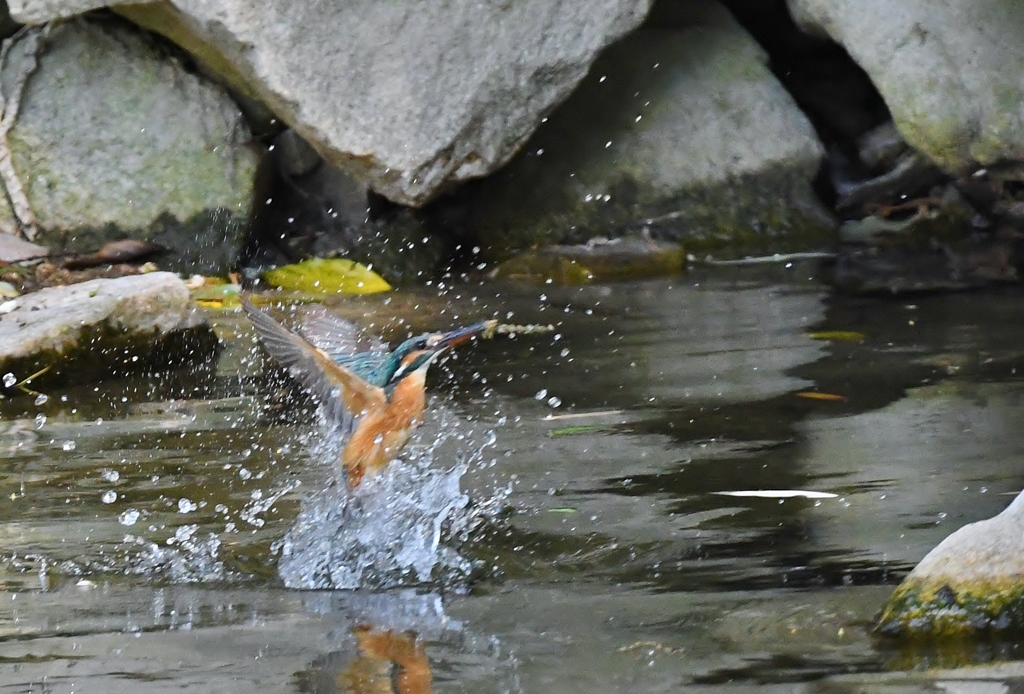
[942, 70]
[85, 331]
[682, 133]
[595, 261]
[462, 83]
[970, 584]
[147, 151]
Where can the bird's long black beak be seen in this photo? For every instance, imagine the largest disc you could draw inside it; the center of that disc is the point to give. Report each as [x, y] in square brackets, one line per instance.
[460, 335]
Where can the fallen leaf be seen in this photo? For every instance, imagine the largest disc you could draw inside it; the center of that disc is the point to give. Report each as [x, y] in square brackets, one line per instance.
[814, 395]
[327, 276]
[838, 336]
[575, 430]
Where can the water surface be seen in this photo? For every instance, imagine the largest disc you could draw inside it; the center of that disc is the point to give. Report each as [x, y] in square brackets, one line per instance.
[590, 550]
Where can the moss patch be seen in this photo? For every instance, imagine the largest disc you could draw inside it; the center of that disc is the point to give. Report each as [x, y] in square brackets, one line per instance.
[936, 609]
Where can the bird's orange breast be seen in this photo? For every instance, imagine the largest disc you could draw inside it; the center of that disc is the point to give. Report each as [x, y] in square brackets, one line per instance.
[383, 432]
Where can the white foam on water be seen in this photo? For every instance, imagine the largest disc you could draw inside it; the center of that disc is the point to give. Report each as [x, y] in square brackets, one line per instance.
[400, 528]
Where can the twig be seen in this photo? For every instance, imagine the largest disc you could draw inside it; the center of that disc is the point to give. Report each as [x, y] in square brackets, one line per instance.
[776, 258]
[9, 105]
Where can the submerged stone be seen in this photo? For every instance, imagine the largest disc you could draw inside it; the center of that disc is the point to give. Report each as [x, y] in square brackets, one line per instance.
[596, 261]
[971, 584]
[102, 327]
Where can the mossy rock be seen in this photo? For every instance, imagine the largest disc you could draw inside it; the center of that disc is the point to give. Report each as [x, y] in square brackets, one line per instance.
[971, 584]
[619, 259]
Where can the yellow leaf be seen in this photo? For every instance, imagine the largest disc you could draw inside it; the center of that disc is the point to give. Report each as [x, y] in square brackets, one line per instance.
[217, 296]
[327, 276]
[814, 395]
[838, 336]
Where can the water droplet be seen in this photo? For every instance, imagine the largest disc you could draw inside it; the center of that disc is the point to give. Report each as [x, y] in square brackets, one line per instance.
[111, 476]
[554, 402]
[42, 398]
[109, 496]
[244, 473]
[129, 517]
[541, 394]
[186, 505]
[40, 420]
[68, 446]
[9, 380]
[564, 352]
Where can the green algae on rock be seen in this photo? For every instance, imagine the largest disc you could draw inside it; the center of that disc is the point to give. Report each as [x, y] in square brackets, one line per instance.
[971, 584]
[596, 261]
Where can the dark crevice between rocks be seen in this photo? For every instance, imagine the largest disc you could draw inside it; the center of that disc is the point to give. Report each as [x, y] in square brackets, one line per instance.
[906, 225]
[306, 208]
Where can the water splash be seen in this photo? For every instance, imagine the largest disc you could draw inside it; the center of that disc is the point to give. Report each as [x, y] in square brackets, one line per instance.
[400, 528]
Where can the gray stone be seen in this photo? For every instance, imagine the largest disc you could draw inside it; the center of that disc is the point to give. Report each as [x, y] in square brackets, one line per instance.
[82, 331]
[881, 147]
[972, 581]
[685, 134]
[409, 97]
[13, 249]
[293, 155]
[949, 72]
[39, 11]
[114, 139]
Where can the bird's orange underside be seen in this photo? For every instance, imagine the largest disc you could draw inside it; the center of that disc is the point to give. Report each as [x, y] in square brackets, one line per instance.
[382, 433]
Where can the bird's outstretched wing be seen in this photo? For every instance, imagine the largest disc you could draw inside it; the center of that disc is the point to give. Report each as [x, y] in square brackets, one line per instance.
[336, 336]
[345, 343]
[341, 390]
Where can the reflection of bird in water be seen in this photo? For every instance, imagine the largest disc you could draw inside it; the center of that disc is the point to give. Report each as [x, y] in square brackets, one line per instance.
[377, 395]
[387, 663]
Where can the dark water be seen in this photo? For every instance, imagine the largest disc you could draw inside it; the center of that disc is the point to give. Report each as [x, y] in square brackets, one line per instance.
[143, 521]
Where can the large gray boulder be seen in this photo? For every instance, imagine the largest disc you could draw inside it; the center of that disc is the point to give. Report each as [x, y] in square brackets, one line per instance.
[115, 139]
[405, 95]
[971, 583]
[89, 330]
[949, 72]
[685, 134]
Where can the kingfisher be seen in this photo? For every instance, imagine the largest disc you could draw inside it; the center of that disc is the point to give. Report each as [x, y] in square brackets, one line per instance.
[376, 395]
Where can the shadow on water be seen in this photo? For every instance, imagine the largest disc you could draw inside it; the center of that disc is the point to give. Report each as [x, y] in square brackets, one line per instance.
[151, 527]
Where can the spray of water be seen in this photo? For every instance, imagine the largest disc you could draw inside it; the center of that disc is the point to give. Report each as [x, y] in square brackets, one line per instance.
[402, 527]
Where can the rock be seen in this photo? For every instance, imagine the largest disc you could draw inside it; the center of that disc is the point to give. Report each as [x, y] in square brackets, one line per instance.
[85, 331]
[912, 175]
[971, 583]
[114, 139]
[13, 249]
[451, 94]
[293, 156]
[881, 148]
[947, 72]
[686, 134]
[598, 260]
